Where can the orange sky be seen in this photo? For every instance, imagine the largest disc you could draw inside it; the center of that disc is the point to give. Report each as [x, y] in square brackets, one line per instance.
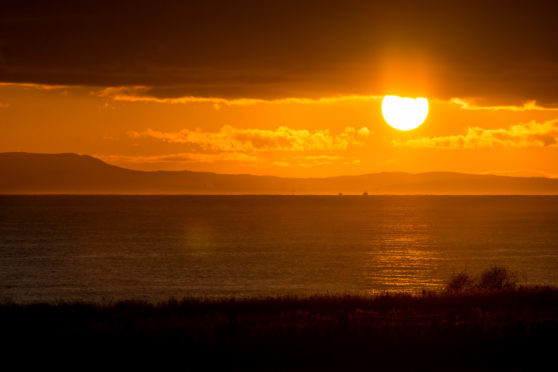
[292, 137]
[281, 88]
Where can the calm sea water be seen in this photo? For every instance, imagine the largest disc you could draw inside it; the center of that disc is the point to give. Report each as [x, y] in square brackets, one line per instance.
[104, 248]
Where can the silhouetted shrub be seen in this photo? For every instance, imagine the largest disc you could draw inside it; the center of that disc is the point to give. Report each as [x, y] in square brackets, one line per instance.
[460, 282]
[497, 278]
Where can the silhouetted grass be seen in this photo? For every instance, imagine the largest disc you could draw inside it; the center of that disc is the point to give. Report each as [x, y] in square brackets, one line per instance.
[512, 327]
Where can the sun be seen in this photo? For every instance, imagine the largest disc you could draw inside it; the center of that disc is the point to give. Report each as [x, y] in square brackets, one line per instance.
[404, 113]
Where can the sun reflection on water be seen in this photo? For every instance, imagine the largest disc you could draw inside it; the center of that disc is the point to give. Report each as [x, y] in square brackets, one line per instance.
[404, 261]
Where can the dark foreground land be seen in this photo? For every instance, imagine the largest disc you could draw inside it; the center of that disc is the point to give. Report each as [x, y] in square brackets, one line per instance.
[515, 329]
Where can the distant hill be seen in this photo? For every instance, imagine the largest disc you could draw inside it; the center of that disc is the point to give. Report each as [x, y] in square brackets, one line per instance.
[26, 173]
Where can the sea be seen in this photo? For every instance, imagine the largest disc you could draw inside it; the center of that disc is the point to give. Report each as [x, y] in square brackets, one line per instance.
[62, 248]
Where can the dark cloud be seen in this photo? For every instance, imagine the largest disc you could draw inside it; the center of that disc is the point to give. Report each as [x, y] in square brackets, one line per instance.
[500, 50]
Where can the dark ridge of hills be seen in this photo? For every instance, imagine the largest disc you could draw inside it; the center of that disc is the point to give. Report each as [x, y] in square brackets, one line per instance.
[29, 173]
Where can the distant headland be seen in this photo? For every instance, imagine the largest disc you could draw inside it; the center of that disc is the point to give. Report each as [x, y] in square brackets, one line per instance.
[32, 173]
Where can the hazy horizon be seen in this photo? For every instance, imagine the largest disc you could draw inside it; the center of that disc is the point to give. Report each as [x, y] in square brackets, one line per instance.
[27, 173]
[502, 173]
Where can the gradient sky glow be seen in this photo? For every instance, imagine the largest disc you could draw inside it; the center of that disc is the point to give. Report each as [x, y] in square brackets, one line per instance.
[283, 88]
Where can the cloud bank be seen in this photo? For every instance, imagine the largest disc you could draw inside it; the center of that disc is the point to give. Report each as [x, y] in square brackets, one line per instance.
[143, 94]
[279, 49]
[530, 134]
[239, 140]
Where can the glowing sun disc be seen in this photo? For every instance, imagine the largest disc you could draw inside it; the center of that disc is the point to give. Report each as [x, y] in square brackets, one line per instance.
[404, 113]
